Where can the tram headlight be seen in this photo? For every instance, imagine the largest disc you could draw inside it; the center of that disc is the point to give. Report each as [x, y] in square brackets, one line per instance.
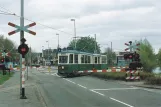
[62, 67]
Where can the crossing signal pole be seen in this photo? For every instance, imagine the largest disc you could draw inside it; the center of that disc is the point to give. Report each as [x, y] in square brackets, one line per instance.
[23, 48]
[133, 56]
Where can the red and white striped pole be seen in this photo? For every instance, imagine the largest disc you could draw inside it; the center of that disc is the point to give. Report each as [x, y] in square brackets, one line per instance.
[23, 78]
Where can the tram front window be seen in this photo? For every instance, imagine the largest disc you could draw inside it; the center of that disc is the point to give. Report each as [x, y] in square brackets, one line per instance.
[63, 59]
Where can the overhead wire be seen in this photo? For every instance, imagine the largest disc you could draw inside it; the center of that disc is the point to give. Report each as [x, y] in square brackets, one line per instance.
[8, 12]
[43, 25]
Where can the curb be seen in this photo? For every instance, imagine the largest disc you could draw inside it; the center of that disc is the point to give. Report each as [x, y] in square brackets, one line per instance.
[150, 87]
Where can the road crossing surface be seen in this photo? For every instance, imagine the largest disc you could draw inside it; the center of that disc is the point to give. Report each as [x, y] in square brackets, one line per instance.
[86, 91]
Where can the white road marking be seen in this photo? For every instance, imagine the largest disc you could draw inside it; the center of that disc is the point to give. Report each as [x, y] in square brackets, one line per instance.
[52, 74]
[97, 92]
[82, 86]
[147, 90]
[57, 75]
[121, 102]
[69, 81]
[115, 89]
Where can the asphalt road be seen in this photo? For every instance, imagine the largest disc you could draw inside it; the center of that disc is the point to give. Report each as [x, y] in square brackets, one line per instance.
[87, 91]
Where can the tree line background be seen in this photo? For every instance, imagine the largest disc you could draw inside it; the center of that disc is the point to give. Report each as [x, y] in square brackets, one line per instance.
[149, 59]
[11, 47]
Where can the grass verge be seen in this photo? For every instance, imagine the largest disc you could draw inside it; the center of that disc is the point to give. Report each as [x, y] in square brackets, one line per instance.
[120, 75]
[4, 78]
[150, 78]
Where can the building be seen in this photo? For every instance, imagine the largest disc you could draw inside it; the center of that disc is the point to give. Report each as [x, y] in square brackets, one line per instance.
[50, 56]
[120, 59]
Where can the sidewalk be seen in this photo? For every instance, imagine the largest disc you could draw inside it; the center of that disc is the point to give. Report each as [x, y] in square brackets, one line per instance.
[10, 93]
[140, 84]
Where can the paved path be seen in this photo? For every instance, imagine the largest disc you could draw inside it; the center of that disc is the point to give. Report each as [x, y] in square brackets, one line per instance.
[10, 93]
[87, 91]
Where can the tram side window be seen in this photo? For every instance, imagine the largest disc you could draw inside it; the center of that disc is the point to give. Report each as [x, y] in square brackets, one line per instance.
[71, 58]
[98, 60]
[95, 60]
[86, 59]
[82, 59]
[76, 58]
[63, 59]
[89, 59]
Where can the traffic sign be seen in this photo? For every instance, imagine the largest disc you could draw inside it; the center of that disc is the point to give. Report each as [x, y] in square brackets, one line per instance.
[133, 46]
[25, 28]
[5, 54]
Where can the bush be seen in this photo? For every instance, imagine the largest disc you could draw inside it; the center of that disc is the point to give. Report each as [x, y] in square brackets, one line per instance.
[145, 75]
[153, 81]
[120, 75]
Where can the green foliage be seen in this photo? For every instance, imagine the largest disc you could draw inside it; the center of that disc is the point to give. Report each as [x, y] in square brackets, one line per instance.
[153, 81]
[4, 78]
[9, 46]
[120, 75]
[145, 75]
[86, 44]
[110, 55]
[147, 55]
[158, 56]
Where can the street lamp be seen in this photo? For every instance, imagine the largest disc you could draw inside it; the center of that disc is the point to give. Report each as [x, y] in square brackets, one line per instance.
[42, 55]
[48, 50]
[42, 51]
[74, 31]
[58, 39]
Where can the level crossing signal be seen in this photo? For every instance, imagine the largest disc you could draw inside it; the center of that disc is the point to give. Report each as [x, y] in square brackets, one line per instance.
[25, 28]
[132, 46]
[2, 60]
[133, 56]
[23, 48]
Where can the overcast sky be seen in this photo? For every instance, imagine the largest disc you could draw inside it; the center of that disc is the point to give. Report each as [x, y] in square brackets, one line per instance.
[112, 20]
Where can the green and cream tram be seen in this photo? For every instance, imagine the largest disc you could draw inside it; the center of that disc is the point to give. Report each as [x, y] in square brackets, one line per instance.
[72, 62]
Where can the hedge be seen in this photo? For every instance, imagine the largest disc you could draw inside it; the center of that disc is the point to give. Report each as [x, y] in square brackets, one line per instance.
[153, 80]
[120, 75]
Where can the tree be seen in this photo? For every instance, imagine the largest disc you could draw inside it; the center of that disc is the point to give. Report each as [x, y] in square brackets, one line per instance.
[110, 55]
[147, 55]
[86, 44]
[9, 46]
[158, 56]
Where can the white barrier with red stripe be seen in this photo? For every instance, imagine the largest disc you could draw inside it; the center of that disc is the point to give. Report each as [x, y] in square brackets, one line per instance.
[109, 70]
[133, 78]
[134, 74]
[23, 72]
[132, 71]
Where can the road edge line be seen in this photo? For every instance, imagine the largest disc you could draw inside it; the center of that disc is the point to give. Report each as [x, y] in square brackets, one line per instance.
[97, 92]
[82, 86]
[121, 102]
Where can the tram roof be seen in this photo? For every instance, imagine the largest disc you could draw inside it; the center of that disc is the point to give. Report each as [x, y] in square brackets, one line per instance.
[77, 52]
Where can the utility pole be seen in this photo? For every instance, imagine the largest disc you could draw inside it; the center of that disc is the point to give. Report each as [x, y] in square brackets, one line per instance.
[27, 64]
[75, 33]
[21, 36]
[111, 53]
[58, 39]
[30, 58]
[48, 50]
[42, 55]
[95, 44]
